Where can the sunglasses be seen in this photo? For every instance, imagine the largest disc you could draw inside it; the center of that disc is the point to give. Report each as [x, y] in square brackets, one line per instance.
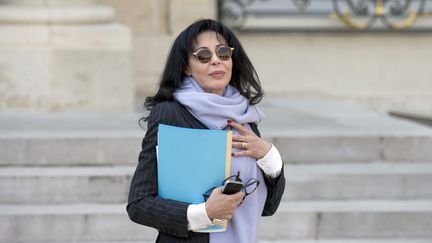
[248, 188]
[223, 52]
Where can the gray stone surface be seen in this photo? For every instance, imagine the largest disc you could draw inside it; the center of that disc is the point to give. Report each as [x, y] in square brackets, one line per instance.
[298, 149]
[302, 220]
[313, 130]
[110, 184]
[376, 181]
[69, 223]
[345, 220]
[383, 225]
[318, 117]
[352, 241]
[271, 241]
[353, 176]
[65, 185]
[70, 151]
[275, 241]
[414, 148]
[304, 130]
[292, 225]
[69, 138]
[69, 125]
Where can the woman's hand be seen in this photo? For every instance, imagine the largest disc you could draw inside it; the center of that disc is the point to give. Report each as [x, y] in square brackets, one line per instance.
[222, 206]
[249, 143]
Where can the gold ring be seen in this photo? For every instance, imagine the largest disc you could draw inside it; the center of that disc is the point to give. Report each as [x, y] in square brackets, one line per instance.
[244, 145]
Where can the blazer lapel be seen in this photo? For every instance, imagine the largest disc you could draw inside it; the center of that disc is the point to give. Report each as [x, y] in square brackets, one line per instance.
[189, 118]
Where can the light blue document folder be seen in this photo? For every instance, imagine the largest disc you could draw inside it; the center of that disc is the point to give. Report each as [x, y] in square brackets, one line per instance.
[191, 161]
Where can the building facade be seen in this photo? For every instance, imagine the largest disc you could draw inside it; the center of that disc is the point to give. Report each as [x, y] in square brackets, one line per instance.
[385, 70]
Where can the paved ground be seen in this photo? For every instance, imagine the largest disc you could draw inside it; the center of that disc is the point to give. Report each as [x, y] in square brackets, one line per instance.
[367, 182]
[285, 116]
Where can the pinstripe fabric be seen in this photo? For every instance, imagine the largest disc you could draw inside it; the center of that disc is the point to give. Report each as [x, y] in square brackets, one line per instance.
[167, 216]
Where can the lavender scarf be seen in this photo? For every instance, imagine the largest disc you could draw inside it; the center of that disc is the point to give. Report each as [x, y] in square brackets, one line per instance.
[214, 111]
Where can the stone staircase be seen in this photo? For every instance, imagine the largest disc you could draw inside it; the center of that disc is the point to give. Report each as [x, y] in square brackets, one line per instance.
[353, 176]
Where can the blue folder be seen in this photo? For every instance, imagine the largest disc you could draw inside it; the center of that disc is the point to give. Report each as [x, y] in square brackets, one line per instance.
[191, 161]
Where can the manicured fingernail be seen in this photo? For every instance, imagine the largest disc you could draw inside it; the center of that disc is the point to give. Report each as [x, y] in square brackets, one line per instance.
[229, 121]
[232, 154]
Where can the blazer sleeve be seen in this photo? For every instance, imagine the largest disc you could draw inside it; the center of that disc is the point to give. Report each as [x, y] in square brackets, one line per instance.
[144, 206]
[275, 190]
[275, 186]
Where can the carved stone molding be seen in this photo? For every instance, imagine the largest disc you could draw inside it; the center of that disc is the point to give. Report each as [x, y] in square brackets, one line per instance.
[54, 12]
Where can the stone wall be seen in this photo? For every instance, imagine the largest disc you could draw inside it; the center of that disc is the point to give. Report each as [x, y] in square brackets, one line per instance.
[383, 71]
[64, 55]
[155, 24]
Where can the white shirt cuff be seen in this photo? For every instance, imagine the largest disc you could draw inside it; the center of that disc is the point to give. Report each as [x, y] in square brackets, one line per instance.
[197, 217]
[271, 163]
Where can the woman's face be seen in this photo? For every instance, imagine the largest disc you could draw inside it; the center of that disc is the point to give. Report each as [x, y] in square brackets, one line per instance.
[215, 75]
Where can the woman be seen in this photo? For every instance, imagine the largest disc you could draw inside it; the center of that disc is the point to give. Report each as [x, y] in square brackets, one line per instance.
[209, 83]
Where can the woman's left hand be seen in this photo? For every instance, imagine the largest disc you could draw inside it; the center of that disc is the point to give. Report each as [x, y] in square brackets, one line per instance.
[248, 143]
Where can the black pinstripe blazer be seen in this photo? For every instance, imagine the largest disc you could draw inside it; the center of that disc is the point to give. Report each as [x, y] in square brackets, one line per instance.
[169, 217]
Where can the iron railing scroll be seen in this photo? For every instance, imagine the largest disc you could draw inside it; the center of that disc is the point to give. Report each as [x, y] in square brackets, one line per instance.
[387, 15]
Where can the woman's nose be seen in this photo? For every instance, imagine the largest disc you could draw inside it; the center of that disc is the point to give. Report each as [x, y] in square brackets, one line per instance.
[215, 59]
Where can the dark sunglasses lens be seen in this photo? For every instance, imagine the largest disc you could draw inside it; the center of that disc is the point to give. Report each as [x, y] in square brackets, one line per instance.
[224, 53]
[204, 55]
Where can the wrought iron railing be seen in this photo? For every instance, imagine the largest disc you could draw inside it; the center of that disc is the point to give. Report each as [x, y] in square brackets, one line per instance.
[392, 15]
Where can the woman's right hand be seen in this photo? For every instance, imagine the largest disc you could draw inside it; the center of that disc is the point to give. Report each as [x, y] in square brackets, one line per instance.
[222, 206]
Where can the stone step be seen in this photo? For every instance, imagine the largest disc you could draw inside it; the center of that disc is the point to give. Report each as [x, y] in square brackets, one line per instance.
[349, 220]
[273, 241]
[304, 130]
[293, 221]
[69, 138]
[353, 148]
[102, 184]
[81, 222]
[83, 149]
[371, 181]
[351, 241]
[110, 184]
[316, 130]
[123, 149]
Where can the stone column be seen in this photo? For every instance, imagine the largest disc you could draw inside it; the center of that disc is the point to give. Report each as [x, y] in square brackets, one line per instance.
[64, 55]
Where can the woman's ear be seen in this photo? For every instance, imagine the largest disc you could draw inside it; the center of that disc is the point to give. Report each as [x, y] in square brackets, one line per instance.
[187, 71]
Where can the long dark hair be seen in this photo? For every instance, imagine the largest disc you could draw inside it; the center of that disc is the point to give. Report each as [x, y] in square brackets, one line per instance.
[244, 77]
